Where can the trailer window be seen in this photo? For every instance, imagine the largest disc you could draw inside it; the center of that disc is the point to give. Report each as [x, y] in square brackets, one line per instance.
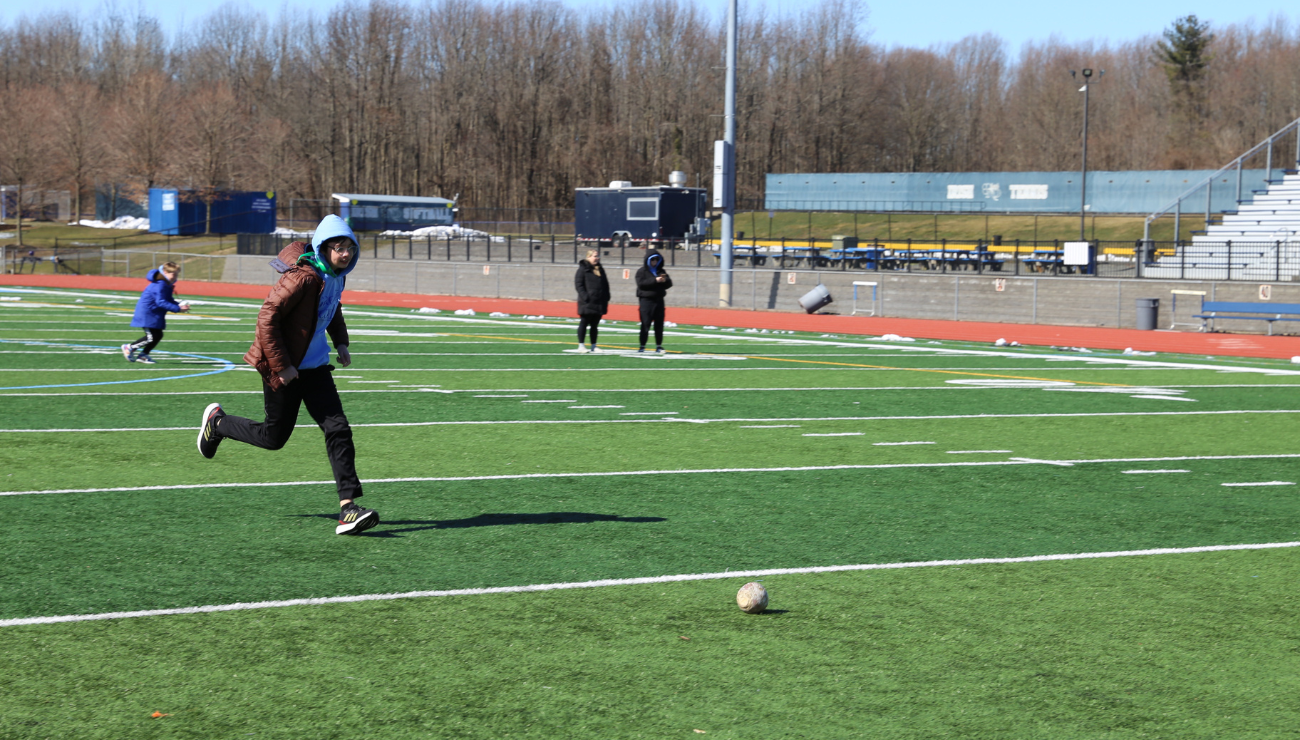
[642, 209]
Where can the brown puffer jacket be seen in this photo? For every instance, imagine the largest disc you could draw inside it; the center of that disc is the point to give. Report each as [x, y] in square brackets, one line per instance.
[287, 321]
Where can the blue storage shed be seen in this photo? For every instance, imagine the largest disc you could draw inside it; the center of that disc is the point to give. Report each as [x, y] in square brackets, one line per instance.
[640, 213]
[394, 212]
[183, 212]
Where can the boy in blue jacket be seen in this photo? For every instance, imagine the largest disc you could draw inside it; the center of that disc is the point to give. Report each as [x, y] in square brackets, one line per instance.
[151, 312]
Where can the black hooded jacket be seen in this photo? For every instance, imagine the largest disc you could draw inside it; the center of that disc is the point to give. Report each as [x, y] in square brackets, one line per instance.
[593, 289]
[646, 285]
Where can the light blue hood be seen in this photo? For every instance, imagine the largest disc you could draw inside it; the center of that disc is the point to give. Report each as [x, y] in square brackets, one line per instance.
[318, 351]
[330, 227]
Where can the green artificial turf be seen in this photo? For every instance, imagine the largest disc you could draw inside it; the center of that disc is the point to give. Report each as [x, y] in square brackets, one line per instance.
[1180, 645]
[1188, 646]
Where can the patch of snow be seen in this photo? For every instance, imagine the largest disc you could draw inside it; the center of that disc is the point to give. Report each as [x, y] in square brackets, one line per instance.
[121, 222]
[455, 231]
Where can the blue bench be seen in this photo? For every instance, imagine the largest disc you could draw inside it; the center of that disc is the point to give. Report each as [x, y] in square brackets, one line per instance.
[1212, 311]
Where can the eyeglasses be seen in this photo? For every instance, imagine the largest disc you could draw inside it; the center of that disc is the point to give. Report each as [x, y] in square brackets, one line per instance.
[344, 248]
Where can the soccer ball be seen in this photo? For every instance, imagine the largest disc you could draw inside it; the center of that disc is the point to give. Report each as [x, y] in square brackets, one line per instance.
[752, 598]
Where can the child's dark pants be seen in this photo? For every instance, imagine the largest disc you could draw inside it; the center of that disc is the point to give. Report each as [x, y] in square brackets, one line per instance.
[314, 388]
[144, 345]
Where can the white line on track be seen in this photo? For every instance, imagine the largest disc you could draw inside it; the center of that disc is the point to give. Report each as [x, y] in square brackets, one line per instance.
[682, 578]
[610, 474]
[666, 413]
[1264, 483]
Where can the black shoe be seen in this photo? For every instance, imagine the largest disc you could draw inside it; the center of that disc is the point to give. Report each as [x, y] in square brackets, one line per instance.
[354, 520]
[208, 436]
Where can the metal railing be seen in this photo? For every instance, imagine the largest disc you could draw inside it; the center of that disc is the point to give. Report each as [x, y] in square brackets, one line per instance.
[1265, 261]
[1207, 184]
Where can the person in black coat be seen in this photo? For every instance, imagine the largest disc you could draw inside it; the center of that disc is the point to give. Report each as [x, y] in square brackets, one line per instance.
[652, 284]
[593, 297]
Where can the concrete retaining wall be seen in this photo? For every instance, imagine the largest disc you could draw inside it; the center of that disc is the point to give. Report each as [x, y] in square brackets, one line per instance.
[1065, 301]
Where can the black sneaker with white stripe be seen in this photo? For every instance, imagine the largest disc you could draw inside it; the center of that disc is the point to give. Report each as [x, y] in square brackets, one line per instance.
[354, 520]
[208, 436]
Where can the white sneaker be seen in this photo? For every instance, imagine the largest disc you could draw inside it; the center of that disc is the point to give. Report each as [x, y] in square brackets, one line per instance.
[582, 348]
[128, 353]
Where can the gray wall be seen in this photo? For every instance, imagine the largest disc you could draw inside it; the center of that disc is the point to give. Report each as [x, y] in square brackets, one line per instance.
[1068, 301]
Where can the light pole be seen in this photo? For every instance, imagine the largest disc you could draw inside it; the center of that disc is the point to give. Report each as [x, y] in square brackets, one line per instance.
[1083, 175]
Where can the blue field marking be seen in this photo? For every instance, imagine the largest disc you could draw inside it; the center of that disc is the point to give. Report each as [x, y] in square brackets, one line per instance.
[227, 366]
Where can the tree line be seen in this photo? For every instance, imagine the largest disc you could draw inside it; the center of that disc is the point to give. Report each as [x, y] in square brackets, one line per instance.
[516, 104]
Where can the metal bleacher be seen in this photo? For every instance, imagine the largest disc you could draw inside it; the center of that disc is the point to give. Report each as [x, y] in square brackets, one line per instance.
[1260, 240]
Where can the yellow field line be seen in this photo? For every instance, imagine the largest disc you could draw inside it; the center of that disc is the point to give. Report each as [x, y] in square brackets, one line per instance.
[825, 362]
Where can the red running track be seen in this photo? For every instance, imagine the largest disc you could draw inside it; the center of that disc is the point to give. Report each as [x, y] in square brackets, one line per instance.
[1196, 343]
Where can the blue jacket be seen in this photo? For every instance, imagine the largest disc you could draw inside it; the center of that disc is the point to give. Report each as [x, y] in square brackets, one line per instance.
[318, 352]
[156, 300]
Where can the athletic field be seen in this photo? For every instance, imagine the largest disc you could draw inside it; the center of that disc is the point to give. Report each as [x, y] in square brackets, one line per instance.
[958, 540]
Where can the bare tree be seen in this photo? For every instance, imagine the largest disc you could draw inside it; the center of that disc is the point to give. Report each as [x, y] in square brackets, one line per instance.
[25, 142]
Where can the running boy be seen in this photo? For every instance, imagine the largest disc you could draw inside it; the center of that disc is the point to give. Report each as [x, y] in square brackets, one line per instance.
[151, 312]
[291, 353]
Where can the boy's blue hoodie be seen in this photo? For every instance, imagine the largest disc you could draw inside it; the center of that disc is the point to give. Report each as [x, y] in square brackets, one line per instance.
[318, 352]
[156, 300]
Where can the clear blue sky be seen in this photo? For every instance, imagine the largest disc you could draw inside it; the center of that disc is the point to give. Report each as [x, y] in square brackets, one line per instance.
[890, 23]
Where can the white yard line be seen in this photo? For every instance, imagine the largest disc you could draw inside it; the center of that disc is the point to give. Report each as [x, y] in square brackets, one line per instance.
[608, 582]
[898, 444]
[1265, 483]
[609, 474]
[1137, 472]
[979, 452]
[836, 434]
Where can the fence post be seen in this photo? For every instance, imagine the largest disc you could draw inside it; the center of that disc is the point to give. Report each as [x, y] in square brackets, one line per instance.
[1277, 260]
[510, 244]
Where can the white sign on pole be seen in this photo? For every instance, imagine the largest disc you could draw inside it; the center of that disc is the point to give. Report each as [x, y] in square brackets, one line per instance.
[721, 169]
[1076, 253]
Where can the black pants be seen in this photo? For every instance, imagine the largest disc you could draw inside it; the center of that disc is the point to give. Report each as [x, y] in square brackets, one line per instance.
[587, 321]
[652, 311]
[314, 388]
[144, 345]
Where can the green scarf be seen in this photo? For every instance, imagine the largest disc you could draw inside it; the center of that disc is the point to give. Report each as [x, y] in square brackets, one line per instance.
[314, 260]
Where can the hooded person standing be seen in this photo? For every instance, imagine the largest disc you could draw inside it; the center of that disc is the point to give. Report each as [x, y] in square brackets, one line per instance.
[652, 284]
[593, 297]
[291, 351]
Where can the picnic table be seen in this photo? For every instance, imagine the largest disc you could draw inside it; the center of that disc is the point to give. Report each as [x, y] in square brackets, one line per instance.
[745, 252]
[1047, 260]
[862, 257]
[809, 255]
[936, 259]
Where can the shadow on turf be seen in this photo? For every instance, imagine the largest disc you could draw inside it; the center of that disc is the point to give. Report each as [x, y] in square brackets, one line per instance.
[494, 520]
